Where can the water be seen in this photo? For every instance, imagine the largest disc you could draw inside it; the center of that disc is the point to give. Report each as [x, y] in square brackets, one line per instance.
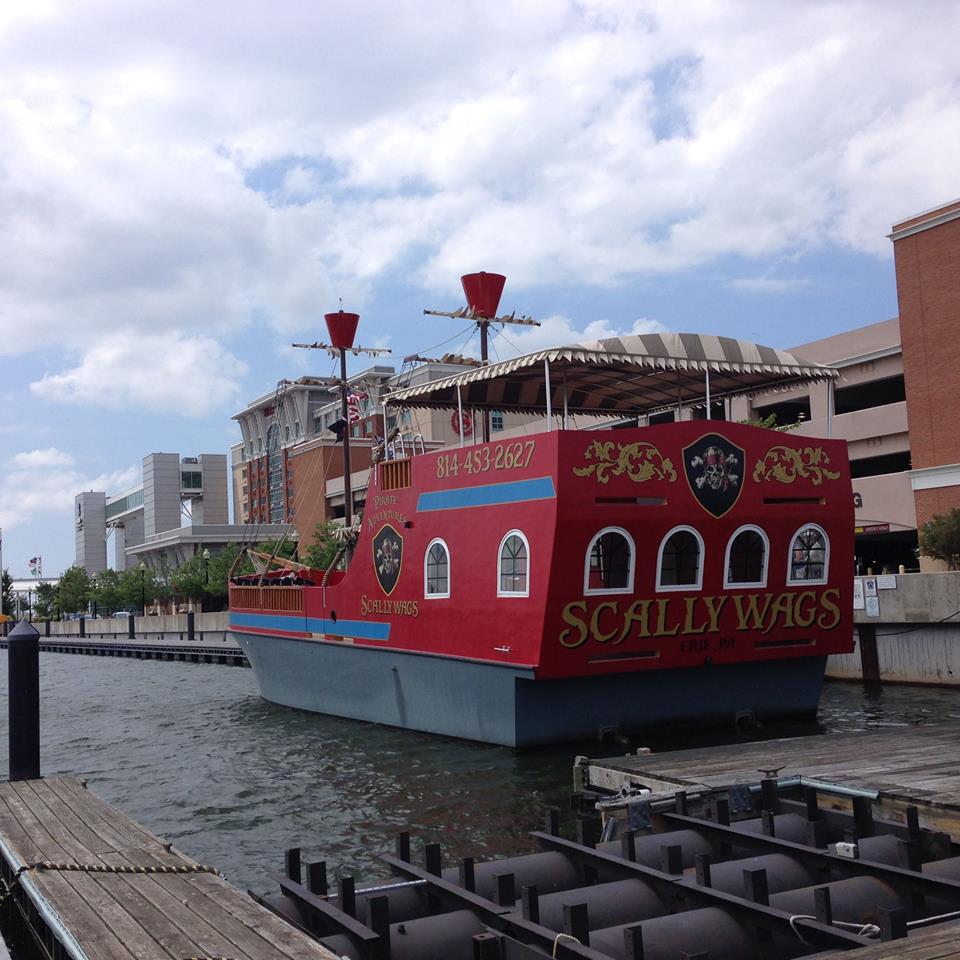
[194, 754]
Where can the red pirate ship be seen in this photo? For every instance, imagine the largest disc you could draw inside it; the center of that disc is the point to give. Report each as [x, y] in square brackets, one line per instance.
[538, 588]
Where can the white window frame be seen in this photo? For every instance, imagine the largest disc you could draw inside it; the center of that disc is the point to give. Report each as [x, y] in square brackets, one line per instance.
[426, 557]
[677, 587]
[594, 591]
[526, 543]
[826, 556]
[727, 582]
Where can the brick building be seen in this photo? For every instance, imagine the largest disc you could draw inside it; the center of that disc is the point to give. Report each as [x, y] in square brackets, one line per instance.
[927, 255]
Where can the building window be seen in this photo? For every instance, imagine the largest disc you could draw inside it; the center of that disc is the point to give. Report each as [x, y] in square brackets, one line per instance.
[496, 422]
[680, 560]
[512, 566]
[746, 561]
[297, 429]
[436, 571]
[809, 555]
[275, 475]
[609, 562]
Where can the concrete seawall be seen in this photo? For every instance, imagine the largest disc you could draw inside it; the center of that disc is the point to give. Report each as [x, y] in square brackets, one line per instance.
[907, 630]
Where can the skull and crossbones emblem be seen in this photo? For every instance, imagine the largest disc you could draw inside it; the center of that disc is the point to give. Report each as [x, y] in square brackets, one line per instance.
[717, 474]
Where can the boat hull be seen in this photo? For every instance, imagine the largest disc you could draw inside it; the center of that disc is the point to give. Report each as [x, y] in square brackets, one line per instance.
[502, 704]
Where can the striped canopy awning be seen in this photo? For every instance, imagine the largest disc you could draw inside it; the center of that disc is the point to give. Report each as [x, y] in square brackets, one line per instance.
[621, 375]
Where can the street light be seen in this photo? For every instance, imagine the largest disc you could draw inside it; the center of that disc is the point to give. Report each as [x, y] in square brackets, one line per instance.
[143, 589]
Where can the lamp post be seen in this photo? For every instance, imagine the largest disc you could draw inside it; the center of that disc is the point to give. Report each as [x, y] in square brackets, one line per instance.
[143, 588]
[206, 578]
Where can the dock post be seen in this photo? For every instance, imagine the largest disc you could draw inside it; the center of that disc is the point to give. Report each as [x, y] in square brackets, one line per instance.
[46, 627]
[23, 658]
[191, 635]
[83, 626]
[131, 627]
[869, 654]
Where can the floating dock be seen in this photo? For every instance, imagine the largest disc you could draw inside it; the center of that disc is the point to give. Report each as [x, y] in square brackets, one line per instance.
[768, 850]
[894, 766]
[89, 883]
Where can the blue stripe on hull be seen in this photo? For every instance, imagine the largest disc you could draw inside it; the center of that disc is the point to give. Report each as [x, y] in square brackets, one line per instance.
[297, 623]
[488, 495]
[506, 705]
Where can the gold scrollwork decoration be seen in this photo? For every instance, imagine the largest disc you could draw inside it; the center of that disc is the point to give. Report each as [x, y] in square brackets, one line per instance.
[640, 461]
[787, 464]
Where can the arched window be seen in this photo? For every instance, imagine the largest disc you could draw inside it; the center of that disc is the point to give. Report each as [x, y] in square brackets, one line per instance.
[747, 554]
[809, 555]
[680, 560]
[513, 566]
[609, 562]
[436, 571]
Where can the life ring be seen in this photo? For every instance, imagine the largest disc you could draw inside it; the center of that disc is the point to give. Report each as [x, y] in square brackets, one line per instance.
[467, 422]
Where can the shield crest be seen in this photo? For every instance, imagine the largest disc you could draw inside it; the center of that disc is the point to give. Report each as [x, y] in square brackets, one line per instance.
[387, 557]
[714, 469]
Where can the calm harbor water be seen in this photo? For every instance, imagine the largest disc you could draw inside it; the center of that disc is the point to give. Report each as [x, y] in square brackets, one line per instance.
[193, 753]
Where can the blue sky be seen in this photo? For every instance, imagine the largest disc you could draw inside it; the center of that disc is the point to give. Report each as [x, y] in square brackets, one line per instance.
[185, 189]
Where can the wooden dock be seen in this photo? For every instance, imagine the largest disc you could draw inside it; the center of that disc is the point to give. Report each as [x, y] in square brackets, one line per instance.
[163, 647]
[895, 766]
[138, 899]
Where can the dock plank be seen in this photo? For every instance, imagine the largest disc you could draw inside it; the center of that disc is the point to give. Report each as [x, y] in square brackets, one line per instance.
[202, 910]
[119, 916]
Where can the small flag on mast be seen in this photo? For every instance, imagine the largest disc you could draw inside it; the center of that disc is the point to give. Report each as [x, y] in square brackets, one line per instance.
[36, 566]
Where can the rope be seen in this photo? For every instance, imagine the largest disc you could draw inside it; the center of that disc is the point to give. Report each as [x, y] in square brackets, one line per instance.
[41, 865]
[562, 936]
[870, 930]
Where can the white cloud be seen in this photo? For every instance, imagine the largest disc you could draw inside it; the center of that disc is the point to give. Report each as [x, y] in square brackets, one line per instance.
[557, 331]
[39, 459]
[161, 372]
[181, 167]
[769, 284]
[30, 487]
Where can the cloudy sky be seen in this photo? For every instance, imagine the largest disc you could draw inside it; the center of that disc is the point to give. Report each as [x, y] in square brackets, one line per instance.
[185, 188]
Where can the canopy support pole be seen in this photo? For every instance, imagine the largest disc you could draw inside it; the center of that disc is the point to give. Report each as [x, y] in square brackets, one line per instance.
[460, 415]
[829, 408]
[546, 377]
[708, 393]
[566, 409]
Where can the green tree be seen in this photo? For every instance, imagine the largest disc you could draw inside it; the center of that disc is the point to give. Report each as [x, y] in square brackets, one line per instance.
[188, 580]
[45, 606]
[940, 538]
[75, 589]
[137, 591]
[106, 591]
[219, 568]
[6, 594]
[321, 552]
[770, 423]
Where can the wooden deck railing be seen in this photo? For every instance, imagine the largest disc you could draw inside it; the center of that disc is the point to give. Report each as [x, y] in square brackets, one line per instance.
[280, 599]
[395, 474]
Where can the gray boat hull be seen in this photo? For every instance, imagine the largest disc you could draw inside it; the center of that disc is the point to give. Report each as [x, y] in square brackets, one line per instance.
[506, 705]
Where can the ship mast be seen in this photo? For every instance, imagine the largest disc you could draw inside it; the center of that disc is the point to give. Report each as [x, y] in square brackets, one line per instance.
[483, 291]
[342, 328]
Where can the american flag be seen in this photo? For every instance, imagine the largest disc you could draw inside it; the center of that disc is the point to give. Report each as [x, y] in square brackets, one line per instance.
[354, 401]
[36, 565]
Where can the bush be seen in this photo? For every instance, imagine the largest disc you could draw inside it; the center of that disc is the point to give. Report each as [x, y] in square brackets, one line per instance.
[940, 538]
